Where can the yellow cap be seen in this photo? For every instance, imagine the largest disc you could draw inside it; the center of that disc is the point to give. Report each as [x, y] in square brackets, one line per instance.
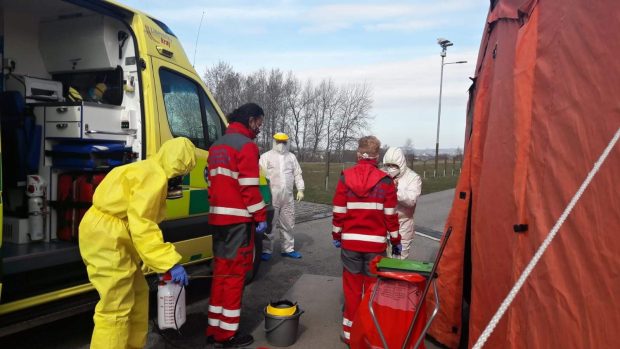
[280, 136]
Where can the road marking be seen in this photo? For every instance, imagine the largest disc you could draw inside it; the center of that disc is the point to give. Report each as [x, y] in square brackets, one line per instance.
[427, 236]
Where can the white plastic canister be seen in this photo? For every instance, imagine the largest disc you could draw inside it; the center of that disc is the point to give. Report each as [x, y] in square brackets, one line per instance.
[170, 304]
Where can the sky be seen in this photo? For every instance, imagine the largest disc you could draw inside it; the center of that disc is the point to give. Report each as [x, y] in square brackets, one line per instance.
[389, 45]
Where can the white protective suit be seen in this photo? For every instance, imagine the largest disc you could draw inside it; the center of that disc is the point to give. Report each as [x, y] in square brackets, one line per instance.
[408, 188]
[283, 171]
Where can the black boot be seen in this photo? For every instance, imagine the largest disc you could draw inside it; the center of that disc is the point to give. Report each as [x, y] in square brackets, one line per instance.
[238, 341]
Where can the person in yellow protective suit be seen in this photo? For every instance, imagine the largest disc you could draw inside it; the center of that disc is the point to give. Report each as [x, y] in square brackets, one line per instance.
[283, 171]
[119, 231]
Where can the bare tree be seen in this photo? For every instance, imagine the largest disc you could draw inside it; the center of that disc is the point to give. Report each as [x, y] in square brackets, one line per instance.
[275, 104]
[255, 90]
[330, 107]
[296, 100]
[458, 156]
[409, 151]
[226, 86]
[324, 109]
[354, 114]
[308, 96]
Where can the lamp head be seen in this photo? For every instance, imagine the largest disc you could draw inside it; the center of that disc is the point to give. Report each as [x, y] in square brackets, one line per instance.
[444, 43]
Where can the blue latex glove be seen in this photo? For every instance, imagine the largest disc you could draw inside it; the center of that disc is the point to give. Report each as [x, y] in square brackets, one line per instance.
[397, 249]
[336, 243]
[179, 275]
[261, 227]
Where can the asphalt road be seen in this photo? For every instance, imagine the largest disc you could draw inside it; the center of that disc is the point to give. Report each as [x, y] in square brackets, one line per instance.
[313, 240]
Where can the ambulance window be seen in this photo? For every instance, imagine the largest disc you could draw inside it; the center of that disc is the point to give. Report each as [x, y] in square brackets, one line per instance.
[163, 26]
[214, 123]
[183, 107]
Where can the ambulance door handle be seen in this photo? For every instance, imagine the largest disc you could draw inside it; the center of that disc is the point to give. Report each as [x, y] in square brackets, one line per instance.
[166, 53]
[62, 126]
[62, 109]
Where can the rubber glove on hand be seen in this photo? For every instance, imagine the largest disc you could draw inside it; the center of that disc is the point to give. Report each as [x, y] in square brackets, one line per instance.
[300, 195]
[336, 243]
[397, 249]
[179, 275]
[261, 227]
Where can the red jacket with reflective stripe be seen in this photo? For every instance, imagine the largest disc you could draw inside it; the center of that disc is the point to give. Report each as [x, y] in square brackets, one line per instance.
[233, 176]
[364, 213]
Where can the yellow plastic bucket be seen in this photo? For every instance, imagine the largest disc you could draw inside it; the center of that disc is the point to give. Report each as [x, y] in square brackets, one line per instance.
[281, 330]
[281, 308]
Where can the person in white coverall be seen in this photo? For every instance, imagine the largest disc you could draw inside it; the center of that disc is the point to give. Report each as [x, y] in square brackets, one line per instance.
[283, 171]
[408, 189]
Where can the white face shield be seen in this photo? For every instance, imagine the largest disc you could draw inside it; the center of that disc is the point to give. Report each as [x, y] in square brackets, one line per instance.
[281, 147]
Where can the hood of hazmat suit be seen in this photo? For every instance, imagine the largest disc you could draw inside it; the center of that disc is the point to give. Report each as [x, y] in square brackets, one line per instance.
[409, 183]
[283, 172]
[408, 189]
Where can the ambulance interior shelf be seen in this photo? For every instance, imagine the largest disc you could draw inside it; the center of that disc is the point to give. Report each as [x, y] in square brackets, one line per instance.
[89, 155]
[97, 86]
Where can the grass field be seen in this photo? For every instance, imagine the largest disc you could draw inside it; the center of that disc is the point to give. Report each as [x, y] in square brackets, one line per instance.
[314, 178]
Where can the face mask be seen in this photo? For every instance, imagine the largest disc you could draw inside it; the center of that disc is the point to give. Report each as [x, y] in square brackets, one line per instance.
[281, 148]
[254, 132]
[175, 190]
[393, 171]
[365, 156]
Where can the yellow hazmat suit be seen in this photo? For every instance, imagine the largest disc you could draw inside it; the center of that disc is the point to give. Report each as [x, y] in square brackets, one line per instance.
[120, 230]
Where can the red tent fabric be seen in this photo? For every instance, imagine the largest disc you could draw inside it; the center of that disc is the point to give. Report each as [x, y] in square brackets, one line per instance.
[544, 104]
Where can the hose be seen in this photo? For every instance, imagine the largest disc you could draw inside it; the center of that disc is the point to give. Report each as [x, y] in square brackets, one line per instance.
[194, 277]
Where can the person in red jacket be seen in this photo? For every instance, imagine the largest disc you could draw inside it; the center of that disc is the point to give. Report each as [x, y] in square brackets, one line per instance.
[236, 211]
[364, 217]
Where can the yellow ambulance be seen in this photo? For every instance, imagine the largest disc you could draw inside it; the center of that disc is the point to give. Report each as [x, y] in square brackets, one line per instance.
[86, 86]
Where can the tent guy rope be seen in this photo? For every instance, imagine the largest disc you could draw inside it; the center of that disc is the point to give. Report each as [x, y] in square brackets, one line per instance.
[543, 247]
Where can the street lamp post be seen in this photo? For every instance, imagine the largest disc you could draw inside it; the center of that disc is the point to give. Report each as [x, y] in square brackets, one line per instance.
[444, 43]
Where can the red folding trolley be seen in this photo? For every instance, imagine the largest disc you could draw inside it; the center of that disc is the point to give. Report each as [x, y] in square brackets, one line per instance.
[392, 314]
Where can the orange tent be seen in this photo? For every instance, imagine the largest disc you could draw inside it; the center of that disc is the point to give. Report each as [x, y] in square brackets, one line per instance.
[544, 104]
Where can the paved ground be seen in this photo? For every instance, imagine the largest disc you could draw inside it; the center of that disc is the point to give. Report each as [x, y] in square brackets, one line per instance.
[432, 209]
[314, 281]
[308, 211]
